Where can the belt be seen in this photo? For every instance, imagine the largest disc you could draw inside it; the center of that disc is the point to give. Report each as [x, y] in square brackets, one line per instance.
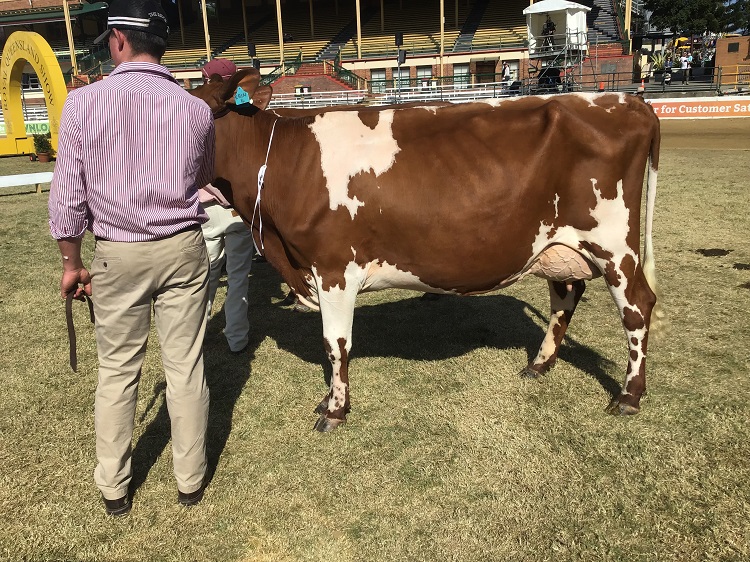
[71, 327]
[189, 228]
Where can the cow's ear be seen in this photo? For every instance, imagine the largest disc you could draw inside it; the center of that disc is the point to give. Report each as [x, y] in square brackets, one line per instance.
[248, 79]
[212, 94]
[262, 96]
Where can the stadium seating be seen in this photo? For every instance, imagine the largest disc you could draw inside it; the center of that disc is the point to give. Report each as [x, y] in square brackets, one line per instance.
[419, 23]
[503, 26]
[296, 25]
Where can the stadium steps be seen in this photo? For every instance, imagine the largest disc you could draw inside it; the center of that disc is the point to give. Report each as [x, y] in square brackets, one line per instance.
[601, 21]
[470, 26]
[310, 69]
[349, 31]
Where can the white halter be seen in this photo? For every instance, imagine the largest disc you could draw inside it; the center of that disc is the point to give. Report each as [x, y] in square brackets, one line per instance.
[261, 180]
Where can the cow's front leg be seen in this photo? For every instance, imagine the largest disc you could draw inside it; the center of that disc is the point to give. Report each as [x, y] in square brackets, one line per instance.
[337, 312]
[564, 298]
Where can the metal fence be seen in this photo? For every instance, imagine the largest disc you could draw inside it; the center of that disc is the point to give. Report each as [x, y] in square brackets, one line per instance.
[734, 80]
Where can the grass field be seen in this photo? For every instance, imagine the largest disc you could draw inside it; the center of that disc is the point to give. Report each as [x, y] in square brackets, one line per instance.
[447, 455]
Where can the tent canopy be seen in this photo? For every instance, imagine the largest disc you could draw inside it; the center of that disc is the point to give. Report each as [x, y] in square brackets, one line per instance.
[554, 6]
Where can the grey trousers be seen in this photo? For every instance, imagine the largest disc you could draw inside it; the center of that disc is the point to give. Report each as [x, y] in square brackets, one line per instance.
[127, 278]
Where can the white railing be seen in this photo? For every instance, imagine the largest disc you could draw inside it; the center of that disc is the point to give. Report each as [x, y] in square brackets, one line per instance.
[318, 99]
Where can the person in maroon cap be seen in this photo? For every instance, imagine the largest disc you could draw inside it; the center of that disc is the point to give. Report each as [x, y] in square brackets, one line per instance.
[134, 150]
[229, 243]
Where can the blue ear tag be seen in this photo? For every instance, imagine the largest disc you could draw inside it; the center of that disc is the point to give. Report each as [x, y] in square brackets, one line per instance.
[241, 96]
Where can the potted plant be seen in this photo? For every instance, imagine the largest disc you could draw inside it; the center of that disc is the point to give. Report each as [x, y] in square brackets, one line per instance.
[658, 62]
[43, 147]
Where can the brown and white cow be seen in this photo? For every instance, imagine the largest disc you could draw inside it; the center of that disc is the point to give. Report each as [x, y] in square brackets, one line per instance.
[365, 199]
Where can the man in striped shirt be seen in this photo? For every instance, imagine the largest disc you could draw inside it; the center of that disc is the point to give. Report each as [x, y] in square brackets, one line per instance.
[133, 151]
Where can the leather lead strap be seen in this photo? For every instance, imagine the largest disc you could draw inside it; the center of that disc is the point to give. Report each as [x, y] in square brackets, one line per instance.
[71, 327]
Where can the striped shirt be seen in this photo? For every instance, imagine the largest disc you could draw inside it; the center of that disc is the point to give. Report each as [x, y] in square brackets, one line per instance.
[133, 151]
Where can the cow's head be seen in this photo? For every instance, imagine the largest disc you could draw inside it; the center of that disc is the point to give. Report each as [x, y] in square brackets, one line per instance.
[218, 92]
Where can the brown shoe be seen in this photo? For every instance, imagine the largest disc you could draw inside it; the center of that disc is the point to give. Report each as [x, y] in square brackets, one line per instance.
[192, 498]
[119, 507]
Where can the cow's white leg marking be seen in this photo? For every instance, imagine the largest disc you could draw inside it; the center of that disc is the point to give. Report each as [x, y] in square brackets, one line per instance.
[337, 311]
[349, 147]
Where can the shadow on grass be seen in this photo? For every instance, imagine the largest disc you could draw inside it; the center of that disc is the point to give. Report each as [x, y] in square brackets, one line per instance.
[412, 329]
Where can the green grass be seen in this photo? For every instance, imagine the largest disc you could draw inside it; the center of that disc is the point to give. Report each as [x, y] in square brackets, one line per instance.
[447, 455]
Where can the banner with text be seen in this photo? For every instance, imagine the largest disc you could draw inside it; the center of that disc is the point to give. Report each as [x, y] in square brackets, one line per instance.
[32, 127]
[701, 108]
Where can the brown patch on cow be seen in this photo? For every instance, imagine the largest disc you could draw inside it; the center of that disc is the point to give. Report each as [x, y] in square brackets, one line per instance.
[344, 361]
[741, 266]
[627, 266]
[610, 271]
[369, 118]
[597, 250]
[712, 252]
[634, 340]
[631, 319]
[340, 410]
[633, 354]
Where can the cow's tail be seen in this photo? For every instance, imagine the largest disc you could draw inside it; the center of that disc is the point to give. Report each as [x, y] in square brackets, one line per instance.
[658, 317]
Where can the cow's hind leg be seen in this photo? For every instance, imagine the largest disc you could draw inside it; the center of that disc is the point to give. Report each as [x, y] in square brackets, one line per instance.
[337, 311]
[635, 300]
[564, 298]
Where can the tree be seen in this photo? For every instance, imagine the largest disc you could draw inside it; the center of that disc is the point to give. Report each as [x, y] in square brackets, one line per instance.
[687, 16]
[737, 16]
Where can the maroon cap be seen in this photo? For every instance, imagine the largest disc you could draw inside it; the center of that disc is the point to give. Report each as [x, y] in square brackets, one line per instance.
[223, 67]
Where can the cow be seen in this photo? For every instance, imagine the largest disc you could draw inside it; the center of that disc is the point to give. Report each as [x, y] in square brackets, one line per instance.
[362, 199]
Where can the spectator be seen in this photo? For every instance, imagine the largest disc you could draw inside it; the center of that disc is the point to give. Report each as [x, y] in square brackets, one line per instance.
[506, 72]
[548, 30]
[229, 243]
[130, 171]
[685, 67]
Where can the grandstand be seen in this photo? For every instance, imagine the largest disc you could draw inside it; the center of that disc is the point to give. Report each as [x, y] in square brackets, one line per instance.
[419, 23]
[502, 26]
[496, 29]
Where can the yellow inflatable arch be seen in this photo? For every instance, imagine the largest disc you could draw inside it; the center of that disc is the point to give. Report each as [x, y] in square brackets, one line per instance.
[20, 48]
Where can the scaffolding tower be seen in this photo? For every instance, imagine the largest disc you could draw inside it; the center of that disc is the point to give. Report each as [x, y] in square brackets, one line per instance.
[558, 43]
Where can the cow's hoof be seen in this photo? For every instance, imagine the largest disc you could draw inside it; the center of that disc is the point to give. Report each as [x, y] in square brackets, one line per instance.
[324, 424]
[322, 407]
[619, 408]
[529, 373]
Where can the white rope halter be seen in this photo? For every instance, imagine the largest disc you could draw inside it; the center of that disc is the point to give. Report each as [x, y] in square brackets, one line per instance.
[261, 180]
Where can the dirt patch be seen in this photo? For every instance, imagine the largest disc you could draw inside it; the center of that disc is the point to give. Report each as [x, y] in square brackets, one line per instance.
[712, 252]
[720, 134]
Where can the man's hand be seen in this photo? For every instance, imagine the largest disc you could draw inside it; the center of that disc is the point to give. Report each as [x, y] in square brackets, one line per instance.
[74, 273]
[71, 283]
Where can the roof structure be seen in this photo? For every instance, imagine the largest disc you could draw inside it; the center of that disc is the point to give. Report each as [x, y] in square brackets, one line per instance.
[27, 17]
[554, 6]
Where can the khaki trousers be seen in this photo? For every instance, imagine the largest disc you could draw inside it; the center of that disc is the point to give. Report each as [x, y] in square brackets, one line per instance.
[127, 278]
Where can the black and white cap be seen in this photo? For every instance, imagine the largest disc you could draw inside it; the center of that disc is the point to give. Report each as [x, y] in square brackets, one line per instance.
[140, 15]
